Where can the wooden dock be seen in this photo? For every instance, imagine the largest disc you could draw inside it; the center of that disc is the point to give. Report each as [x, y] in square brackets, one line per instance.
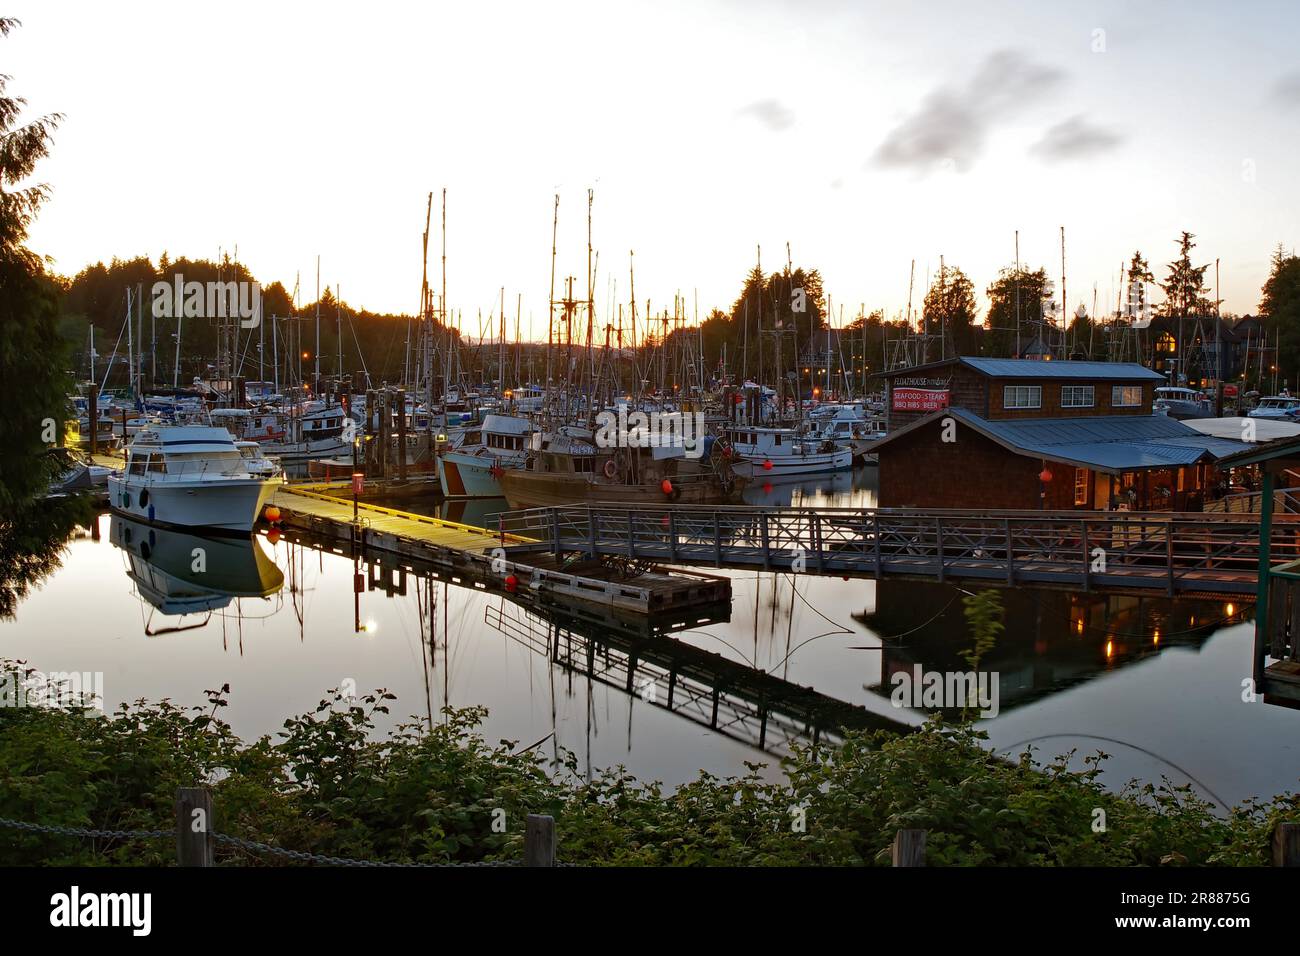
[1179, 554]
[477, 557]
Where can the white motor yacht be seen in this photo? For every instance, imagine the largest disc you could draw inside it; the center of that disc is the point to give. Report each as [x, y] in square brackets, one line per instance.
[189, 476]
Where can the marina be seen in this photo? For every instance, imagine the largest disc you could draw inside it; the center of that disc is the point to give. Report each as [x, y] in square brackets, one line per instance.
[871, 442]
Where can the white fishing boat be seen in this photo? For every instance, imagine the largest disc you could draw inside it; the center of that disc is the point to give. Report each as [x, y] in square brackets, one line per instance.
[783, 452]
[190, 476]
[473, 469]
[1181, 403]
[849, 425]
[1276, 406]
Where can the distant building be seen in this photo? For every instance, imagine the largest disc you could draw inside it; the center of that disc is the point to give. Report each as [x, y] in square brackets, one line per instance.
[1027, 434]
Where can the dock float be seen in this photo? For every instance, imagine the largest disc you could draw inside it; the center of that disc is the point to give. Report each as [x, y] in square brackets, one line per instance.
[477, 557]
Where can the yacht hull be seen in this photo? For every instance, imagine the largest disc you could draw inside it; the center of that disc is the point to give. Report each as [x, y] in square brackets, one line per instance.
[225, 504]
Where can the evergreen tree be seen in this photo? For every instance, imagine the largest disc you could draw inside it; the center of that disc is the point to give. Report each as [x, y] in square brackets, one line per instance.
[1184, 286]
[1280, 308]
[33, 379]
[1025, 289]
[949, 310]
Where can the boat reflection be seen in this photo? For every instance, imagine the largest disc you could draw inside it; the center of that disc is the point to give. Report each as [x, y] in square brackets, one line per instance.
[181, 574]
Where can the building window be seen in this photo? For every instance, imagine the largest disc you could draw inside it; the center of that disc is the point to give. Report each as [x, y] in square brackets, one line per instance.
[1125, 396]
[1077, 396]
[1081, 486]
[1022, 396]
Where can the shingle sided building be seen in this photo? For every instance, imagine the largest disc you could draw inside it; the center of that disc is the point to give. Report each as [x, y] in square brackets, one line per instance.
[1023, 434]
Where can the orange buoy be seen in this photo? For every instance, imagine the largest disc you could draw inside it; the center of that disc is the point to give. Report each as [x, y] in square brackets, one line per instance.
[666, 486]
[273, 536]
[272, 513]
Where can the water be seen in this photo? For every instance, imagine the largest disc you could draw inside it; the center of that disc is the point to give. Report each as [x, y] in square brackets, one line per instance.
[1155, 683]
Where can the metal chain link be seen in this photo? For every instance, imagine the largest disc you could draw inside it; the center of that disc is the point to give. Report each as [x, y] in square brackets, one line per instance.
[299, 855]
[86, 831]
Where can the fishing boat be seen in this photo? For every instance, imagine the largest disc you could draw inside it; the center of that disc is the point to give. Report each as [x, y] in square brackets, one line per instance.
[1181, 403]
[783, 452]
[473, 469]
[848, 425]
[572, 470]
[1276, 406]
[189, 476]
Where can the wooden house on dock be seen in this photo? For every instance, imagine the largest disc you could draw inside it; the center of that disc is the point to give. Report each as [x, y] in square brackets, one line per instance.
[1024, 435]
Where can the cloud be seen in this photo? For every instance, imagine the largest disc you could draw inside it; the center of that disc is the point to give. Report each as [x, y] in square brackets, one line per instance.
[1075, 138]
[771, 114]
[1287, 90]
[953, 122]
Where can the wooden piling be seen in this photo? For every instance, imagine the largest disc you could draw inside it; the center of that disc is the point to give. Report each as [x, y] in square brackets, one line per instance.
[908, 848]
[1286, 844]
[539, 840]
[195, 844]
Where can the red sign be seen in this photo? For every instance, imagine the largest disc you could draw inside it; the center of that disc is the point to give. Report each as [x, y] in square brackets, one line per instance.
[358, 483]
[1230, 391]
[919, 399]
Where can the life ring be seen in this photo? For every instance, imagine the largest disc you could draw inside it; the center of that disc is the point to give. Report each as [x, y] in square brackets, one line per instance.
[611, 469]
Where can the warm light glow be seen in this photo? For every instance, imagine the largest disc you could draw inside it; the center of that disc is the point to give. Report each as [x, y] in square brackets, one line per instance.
[1078, 626]
[1231, 609]
[1155, 638]
[1110, 649]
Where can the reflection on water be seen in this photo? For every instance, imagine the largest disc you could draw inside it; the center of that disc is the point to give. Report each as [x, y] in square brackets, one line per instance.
[1156, 683]
[180, 573]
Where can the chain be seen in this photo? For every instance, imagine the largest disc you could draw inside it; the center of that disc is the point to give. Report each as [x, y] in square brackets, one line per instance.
[300, 856]
[86, 831]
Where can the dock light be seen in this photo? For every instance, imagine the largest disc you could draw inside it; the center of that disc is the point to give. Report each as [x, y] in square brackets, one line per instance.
[306, 355]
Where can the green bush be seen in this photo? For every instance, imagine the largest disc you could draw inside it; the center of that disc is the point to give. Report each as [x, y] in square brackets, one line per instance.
[330, 785]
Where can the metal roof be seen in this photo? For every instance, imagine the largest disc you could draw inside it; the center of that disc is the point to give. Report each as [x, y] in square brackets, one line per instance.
[1034, 368]
[1111, 443]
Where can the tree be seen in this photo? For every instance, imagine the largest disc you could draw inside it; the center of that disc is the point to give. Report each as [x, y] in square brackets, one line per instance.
[33, 379]
[1138, 270]
[1184, 286]
[1280, 307]
[1016, 301]
[949, 310]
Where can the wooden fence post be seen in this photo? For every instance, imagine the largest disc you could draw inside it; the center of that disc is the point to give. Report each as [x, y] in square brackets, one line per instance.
[539, 840]
[909, 848]
[194, 841]
[1286, 844]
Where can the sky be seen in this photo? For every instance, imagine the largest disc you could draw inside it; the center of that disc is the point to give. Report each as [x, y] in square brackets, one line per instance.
[863, 135]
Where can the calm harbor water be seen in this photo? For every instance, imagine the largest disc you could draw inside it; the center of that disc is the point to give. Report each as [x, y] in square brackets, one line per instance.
[1155, 683]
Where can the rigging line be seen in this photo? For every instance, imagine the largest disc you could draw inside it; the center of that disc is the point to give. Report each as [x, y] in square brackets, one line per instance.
[913, 630]
[1123, 743]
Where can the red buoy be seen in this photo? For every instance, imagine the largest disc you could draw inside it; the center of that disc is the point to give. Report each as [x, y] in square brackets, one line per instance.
[272, 513]
[1044, 476]
[512, 583]
[666, 486]
[767, 465]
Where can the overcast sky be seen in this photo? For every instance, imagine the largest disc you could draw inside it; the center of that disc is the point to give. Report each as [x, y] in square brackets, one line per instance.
[866, 135]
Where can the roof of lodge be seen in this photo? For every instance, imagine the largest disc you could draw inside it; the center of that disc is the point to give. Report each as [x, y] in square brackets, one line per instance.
[1037, 368]
[1111, 443]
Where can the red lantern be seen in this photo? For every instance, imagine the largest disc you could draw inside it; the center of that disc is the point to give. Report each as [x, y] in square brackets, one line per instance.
[1044, 476]
[512, 583]
[666, 486]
